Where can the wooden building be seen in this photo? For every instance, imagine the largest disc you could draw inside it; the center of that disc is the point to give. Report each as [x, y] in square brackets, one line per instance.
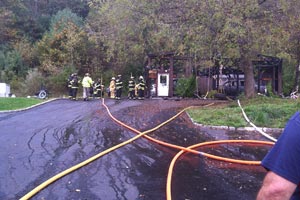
[163, 71]
[269, 71]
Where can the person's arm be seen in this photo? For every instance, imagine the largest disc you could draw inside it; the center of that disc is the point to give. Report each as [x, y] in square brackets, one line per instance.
[276, 187]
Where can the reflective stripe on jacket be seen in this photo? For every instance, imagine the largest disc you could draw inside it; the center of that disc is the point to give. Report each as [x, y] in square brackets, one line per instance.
[141, 85]
[119, 84]
[131, 85]
[75, 83]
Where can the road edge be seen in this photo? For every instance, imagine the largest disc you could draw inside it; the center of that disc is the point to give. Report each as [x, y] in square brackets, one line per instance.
[231, 128]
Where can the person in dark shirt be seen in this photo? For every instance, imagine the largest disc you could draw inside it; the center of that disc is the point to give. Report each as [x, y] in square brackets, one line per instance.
[283, 165]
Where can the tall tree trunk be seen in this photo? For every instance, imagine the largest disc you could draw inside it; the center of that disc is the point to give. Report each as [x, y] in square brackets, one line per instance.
[249, 76]
[296, 83]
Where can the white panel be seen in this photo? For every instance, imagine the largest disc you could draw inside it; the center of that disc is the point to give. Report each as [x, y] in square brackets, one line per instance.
[163, 85]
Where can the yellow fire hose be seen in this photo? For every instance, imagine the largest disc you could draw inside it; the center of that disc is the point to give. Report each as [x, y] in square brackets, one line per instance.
[74, 168]
[140, 134]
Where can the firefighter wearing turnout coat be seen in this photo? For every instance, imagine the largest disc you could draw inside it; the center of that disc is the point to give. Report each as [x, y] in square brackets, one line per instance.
[75, 85]
[112, 88]
[119, 86]
[98, 89]
[131, 88]
[87, 83]
[141, 88]
[69, 84]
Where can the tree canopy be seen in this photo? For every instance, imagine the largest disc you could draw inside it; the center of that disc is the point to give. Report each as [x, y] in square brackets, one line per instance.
[106, 37]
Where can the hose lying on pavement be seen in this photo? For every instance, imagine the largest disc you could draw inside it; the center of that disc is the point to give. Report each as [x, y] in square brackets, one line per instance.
[185, 149]
[172, 164]
[74, 168]
[246, 162]
[190, 149]
[140, 134]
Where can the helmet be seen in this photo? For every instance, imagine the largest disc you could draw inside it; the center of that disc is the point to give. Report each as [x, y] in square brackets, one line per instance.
[132, 77]
[113, 78]
[141, 78]
[87, 74]
[119, 75]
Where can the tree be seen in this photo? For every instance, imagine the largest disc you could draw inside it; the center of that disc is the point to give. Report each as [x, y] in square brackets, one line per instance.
[113, 26]
[238, 31]
[63, 45]
[7, 30]
[116, 35]
[291, 33]
[202, 28]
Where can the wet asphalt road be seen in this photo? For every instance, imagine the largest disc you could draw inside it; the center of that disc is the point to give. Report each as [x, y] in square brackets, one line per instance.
[37, 144]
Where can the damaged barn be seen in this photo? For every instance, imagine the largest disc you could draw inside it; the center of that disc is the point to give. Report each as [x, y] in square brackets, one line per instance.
[230, 81]
[163, 70]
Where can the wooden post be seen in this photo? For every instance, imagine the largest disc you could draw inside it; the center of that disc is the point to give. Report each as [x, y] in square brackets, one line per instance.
[274, 79]
[279, 73]
[171, 76]
[258, 79]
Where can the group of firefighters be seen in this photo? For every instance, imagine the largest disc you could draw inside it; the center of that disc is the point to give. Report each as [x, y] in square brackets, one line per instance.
[94, 89]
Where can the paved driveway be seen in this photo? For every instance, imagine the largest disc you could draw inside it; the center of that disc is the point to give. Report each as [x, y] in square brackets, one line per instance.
[40, 142]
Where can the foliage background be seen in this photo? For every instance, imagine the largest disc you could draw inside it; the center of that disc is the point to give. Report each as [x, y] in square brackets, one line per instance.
[42, 42]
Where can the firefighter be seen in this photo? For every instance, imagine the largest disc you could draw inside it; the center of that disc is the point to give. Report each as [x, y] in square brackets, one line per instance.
[69, 85]
[87, 82]
[131, 88]
[98, 89]
[119, 86]
[141, 88]
[75, 85]
[112, 87]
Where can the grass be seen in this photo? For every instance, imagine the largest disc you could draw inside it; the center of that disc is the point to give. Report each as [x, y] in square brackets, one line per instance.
[17, 103]
[262, 111]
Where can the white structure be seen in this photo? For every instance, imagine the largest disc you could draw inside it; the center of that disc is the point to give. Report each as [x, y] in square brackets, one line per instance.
[163, 84]
[4, 90]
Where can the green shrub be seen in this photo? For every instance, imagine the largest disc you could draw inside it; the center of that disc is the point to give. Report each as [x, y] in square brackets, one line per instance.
[57, 85]
[185, 87]
[211, 94]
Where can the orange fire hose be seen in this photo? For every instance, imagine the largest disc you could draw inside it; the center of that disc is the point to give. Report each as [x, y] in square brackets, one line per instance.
[140, 134]
[93, 158]
[172, 164]
[190, 149]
